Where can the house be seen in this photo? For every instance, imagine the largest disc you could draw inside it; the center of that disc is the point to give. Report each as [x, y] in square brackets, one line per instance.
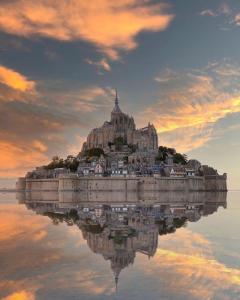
[190, 172]
[119, 172]
[169, 160]
[99, 169]
[177, 172]
[60, 171]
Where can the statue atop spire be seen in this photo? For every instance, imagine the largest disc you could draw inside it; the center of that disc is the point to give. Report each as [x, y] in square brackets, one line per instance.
[116, 108]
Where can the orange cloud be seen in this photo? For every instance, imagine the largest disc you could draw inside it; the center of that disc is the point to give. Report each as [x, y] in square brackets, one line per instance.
[187, 138]
[195, 114]
[16, 160]
[21, 295]
[38, 145]
[110, 25]
[190, 103]
[75, 148]
[15, 80]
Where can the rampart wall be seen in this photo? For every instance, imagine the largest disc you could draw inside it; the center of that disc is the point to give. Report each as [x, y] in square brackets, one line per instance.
[74, 183]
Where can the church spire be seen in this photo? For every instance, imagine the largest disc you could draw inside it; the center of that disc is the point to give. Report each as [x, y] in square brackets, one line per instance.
[116, 108]
[116, 97]
[116, 282]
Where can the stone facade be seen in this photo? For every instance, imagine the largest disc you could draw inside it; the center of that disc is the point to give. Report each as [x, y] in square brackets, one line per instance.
[122, 125]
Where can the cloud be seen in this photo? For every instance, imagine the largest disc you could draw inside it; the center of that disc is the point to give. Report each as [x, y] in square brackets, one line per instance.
[101, 65]
[208, 12]
[21, 295]
[34, 123]
[52, 55]
[31, 132]
[15, 86]
[109, 25]
[38, 145]
[85, 99]
[16, 160]
[192, 101]
[90, 93]
[223, 9]
[187, 138]
[74, 149]
[226, 13]
[15, 80]
[237, 19]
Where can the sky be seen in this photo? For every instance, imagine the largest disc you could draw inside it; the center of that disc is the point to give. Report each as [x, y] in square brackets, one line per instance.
[174, 63]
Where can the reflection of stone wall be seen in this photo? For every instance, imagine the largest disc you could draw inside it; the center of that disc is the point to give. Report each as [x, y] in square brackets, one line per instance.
[146, 198]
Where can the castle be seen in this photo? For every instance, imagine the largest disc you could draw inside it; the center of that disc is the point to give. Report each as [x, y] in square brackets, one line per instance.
[116, 156]
[122, 126]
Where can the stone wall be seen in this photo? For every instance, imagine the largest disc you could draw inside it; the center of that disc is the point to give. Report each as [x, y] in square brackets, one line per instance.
[42, 184]
[21, 184]
[128, 184]
[71, 183]
[172, 184]
[216, 182]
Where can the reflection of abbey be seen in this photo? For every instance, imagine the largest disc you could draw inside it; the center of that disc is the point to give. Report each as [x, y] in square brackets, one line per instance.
[118, 231]
[122, 125]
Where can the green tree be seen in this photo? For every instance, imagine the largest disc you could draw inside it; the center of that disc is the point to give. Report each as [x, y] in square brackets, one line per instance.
[133, 147]
[119, 142]
[94, 152]
[179, 158]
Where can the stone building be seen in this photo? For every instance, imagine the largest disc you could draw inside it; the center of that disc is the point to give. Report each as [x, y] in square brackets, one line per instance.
[122, 125]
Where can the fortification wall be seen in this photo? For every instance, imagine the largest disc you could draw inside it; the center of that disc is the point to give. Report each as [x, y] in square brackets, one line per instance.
[21, 184]
[171, 184]
[42, 184]
[216, 182]
[74, 183]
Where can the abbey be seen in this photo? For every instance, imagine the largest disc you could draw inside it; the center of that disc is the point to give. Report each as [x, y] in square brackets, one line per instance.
[122, 126]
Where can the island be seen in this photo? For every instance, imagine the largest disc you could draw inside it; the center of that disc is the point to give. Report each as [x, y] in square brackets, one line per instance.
[119, 157]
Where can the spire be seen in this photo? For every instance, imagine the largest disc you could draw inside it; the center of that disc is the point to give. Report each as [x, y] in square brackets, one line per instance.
[116, 97]
[116, 108]
[116, 283]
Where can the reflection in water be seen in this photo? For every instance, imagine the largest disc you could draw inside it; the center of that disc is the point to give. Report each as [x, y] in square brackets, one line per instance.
[119, 229]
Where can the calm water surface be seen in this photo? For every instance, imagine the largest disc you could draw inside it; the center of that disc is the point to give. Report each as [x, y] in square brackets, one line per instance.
[163, 249]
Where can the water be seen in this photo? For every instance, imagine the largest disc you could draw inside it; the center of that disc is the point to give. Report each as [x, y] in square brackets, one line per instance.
[166, 247]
